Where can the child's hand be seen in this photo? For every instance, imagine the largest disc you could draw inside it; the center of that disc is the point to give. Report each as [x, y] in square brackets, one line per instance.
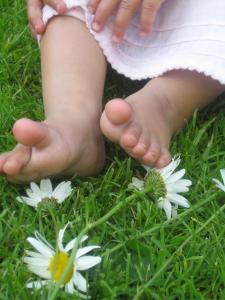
[34, 8]
[125, 10]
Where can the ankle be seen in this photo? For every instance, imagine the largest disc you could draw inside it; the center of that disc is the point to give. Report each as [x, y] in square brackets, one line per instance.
[71, 118]
[169, 105]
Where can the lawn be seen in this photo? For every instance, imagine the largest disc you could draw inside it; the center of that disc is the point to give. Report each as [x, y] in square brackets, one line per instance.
[144, 256]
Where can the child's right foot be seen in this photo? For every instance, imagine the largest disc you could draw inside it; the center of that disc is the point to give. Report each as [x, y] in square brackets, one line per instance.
[47, 149]
[69, 142]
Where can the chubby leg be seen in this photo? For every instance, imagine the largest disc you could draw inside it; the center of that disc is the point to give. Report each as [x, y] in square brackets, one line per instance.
[144, 123]
[69, 140]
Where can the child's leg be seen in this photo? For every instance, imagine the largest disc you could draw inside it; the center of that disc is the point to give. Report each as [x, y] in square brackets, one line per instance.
[146, 121]
[69, 140]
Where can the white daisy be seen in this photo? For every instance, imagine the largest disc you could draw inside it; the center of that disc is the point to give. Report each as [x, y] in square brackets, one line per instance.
[37, 194]
[219, 184]
[49, 264]
[164, 186]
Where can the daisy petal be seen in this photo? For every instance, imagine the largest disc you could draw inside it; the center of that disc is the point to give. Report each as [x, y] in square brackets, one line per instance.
[174, 211]
[160, 203]
[219, 184]
[174, 188]
[70, 245]
[147, 168]
[41, 247]
[29, 193]
[40, 271]
[41, 239]
[28, 201]
[41, 262]
[136, 183]
[34, 254]
[176, 176]
[222, 172]
[80, 282]
[178, 199]
[169, 169]
[184, 182]
[69, 288]
[62, 191]
[82, 251]
[46, 188]
[87, 262]
[35, 189]
[60, 238]
[37, 284]
[168, 209]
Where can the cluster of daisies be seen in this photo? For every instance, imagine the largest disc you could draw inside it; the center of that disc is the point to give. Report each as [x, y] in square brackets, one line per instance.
[52, 264]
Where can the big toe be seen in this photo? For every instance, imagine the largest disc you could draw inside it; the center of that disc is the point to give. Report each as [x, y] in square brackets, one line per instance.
[115, 118]
[118, 111]
[31, 133]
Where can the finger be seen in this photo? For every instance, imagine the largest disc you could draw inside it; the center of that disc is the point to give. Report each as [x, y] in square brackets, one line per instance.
[124, 15]
[58, 5]
[92, 5]
[104, 10]
[148, 13]
[34, 10]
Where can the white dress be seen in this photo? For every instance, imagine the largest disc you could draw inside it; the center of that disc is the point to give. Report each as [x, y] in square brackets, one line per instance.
[187, 34]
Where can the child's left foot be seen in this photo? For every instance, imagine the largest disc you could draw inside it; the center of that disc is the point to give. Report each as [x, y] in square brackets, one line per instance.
[144, 123]
[140, 125]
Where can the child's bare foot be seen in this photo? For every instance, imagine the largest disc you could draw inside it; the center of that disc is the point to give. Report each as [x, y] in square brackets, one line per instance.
[144, 123]
[140, 125]
[53, 149]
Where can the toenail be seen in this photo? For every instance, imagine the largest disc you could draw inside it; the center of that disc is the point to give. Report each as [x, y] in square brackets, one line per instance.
[143, 146]
[153, 155]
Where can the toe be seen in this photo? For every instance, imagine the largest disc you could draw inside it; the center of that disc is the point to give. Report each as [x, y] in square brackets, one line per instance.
[141, 147]
[17, 160]
[3, 159]
[12, 166]
[31, 133]
[153, 153]
[114, 122]
[139, 150]
[111, 131]
[164, 159]
[130, 136]
[118, 111]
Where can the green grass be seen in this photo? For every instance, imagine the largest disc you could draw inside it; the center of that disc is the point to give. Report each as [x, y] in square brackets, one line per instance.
[186, 256]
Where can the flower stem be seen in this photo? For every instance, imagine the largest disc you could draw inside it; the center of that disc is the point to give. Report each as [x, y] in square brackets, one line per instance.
[49, 207]
[82, 233]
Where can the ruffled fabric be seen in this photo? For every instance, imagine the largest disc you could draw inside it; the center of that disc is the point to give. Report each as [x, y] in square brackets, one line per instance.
[187, 34]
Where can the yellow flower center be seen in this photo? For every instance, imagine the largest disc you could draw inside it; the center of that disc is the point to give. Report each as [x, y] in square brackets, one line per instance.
[57, 266]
